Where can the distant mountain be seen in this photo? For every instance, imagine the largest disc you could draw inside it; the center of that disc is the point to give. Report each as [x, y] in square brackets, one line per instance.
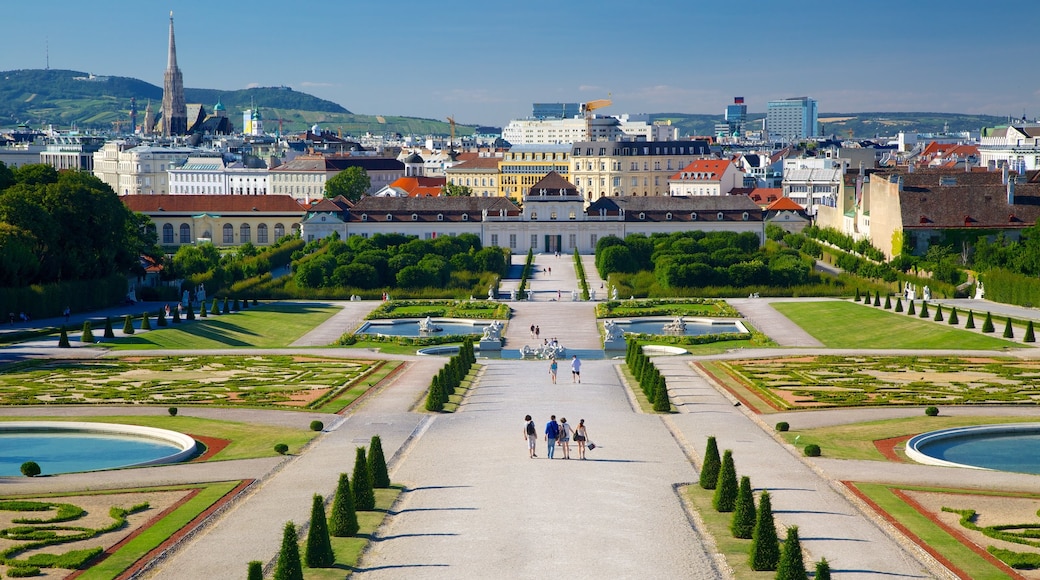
[862, 125]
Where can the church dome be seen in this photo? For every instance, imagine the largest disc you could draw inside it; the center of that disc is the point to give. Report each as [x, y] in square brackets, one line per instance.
[413, 158]
[219, 106]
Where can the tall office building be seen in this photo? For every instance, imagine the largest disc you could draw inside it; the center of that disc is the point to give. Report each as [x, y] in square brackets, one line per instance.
[555, 110]
[174, 109]
[791, 119]
[736, 116]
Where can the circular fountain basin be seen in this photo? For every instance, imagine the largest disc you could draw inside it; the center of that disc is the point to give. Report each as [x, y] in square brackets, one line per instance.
[1008, 447]
[694, 326]
[410, 327]
[69, 447]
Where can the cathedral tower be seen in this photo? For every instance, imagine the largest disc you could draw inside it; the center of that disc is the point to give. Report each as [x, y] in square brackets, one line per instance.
[174, 109]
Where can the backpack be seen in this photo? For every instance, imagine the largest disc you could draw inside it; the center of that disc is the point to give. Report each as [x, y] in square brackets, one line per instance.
[530, 428]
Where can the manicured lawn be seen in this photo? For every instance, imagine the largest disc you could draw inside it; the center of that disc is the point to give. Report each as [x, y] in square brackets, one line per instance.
[345, 398]
[348, 550]
[690, 307]
[248, 441]
[270, 325]
[840, 324]
[856, 441]
[735, 550]
[484, 309]
[155, 535]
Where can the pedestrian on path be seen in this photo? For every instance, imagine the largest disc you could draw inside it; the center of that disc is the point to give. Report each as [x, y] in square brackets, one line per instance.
[532, 331]
[581, 435]
[537, 331]
[553, 367]
[565, 437]
[552, 431]
[550, 270]
[575, 370]
[531, 434]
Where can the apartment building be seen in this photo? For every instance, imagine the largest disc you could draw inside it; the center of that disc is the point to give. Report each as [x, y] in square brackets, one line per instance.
[608, 169]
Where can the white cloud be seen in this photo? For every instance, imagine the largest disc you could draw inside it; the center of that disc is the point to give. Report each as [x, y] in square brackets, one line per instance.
[254, 85]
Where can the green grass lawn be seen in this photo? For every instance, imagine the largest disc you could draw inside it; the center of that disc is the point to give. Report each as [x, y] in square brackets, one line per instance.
[840, 324]
[348, 550]
[248, 440]
[266, 326]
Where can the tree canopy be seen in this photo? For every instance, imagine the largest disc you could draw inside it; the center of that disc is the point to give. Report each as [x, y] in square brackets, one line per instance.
[351, 183]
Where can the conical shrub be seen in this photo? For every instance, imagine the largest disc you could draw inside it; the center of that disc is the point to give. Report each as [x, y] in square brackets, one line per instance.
[910, 310]
[215, 309]
[227, 307]
[857, 295]
[877, 298]
[953, 320]
[924, 310]
[63, 338]
[1029, 333]
[245, 304]
[364, 497]
[289, 566]
[899, 305]
[318, 551]
[888, 302]
[661, 402]
[343, 522]
[255, 570]
[236, 306]
[377, 464]
[791, 566]
[88, 333]
[128, 325]
[177, 315]
[726, 487]
[161, 319]
[109, 333]
[823, 570]
[711, 464]
[202, 311]
[743, 524]
[191, 312]
[938, 313]
[765, 547]
[145, 323]
[1008, 331]
[987, 325]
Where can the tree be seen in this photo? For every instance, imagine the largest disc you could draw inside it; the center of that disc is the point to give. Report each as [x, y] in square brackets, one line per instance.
[661, 402]
[377, 464]
[953, 317]
[318, 552]
[823, 570]
[364, 497]
[30, 469]
[765, 547]
[63, 338]
[1029, 337]
[128, 324]
[726, 488]
[1008, 332]
[88, 333]
[289, 566]
[711, 464]
[791, 566]
[970, 323]
[109, 333]
[146, 323]
[343, 523]
[255, 570]
[160, 320]
[452, 190]
[743, 524]
[987, 324]
[351, 183]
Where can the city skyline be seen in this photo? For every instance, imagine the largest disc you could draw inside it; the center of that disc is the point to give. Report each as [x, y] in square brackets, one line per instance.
[486, 64]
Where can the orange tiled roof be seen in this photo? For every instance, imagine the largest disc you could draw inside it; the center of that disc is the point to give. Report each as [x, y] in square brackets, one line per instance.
[715, 167]
[419, 186]
[784, 204]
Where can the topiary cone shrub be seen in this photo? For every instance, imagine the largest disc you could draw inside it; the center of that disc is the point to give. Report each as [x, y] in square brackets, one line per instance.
[377, 464]
[289, 566]
[88, 333]
[343, 522]
[877, 298]
[145, 323]
[172, 411]
[202, 311]
[227, 307]
[987, 325]
[953, 319]
[63, 338]
[236, 306]
[970, 324]
[317, 425]
[782, 426]
[910, 310]
[245, 304]
[281, 448]
[765, 547]
[924, 310]
[726, 488]
[857, 295]
[661, 402]
[161, 319]
[128, 325]
[318, 552]
[30, 469]
[743, 524]
[1029, 333]
[364, 497]
[791, 566]
[191, 312]
[711, 464]
[176, 315]
[215, 309]
[812, 450]
[255, 570]
[109, 333]
[823, 570]
[1008, 332]
[899, 305]
[255, 302]
[888, 302]
[931, 411]
[938, 313]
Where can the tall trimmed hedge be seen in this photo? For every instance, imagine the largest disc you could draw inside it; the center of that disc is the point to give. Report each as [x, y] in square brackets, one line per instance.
[450, 377]
[791, 565]
[377, 464]
[765, 547]
[743, 524]
[343, 522]
[128, 324]
[711, 465]
[364, 497]
[289, 566]
[726, 487]
[318, 551]
[88, 333]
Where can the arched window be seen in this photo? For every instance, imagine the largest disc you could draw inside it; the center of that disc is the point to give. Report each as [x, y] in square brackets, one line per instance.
[296, 229]
[167, 234]
[415, 217]
[465, 217]
[364, 217]
[229, 234]
[693, 216]
[279, 231]
[185, 234]
[642, 216]
[389, 217]
[261, 234]
[440, 217]
[245, 234]
[668, 216]
[719, 216]
[744, 216]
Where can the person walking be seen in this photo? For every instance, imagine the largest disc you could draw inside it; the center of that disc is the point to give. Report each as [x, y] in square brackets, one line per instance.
[537, 331]
[531, 434]
[581, 435]
[565, 437]
[575, 370]
[553, 367]
[532, 331]
[552, 432]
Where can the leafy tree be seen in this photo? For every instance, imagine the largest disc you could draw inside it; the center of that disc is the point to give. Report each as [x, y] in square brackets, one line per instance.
[343, 522]
[377, 464]
[765, 547]
[351, 183]
[364, 497]
[450, 189]
[6, 176]
[711, 464]
[791, 566]
[318, 551]
[36, 174]
[191, 260]
[726, 487]
[30, 469]
[743, 524]
[289, 566]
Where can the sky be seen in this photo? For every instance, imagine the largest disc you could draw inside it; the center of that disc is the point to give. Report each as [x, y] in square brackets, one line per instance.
[487, 62]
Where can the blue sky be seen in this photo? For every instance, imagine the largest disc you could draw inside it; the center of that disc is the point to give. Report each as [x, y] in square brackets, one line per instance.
[486, 62]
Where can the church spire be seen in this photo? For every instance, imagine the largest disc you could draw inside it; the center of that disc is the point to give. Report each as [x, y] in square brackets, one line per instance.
[171, 57]
[174, 109]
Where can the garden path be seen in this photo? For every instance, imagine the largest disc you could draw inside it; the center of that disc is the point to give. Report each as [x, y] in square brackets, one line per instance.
[344, 321]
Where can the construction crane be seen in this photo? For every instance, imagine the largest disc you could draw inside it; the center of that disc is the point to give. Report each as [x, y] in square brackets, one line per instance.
[587, 108]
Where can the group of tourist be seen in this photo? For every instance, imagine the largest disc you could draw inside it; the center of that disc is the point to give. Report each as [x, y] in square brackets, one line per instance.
[554, 367]
[557, 433]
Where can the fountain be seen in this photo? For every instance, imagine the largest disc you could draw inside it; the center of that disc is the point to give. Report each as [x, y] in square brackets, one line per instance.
[426, 326]
[676, 326]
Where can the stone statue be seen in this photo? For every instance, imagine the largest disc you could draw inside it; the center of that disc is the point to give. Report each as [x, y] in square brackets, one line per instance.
[613, 293]
[185, 298]
[677, 325]
[927, 294]
[426, 325]
[910, 292]
[200, 294]
[613, 331]
[980, 292]
[491, 293]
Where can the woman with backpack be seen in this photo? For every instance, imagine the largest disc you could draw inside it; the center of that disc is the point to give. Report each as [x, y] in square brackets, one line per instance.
[580, 437]
[565, 437]
[531, 434]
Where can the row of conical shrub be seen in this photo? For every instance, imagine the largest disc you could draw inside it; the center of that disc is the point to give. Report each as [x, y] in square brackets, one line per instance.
[953, 318]
[369, 472]
[450, 377]
[650, 380]
[749, 522]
